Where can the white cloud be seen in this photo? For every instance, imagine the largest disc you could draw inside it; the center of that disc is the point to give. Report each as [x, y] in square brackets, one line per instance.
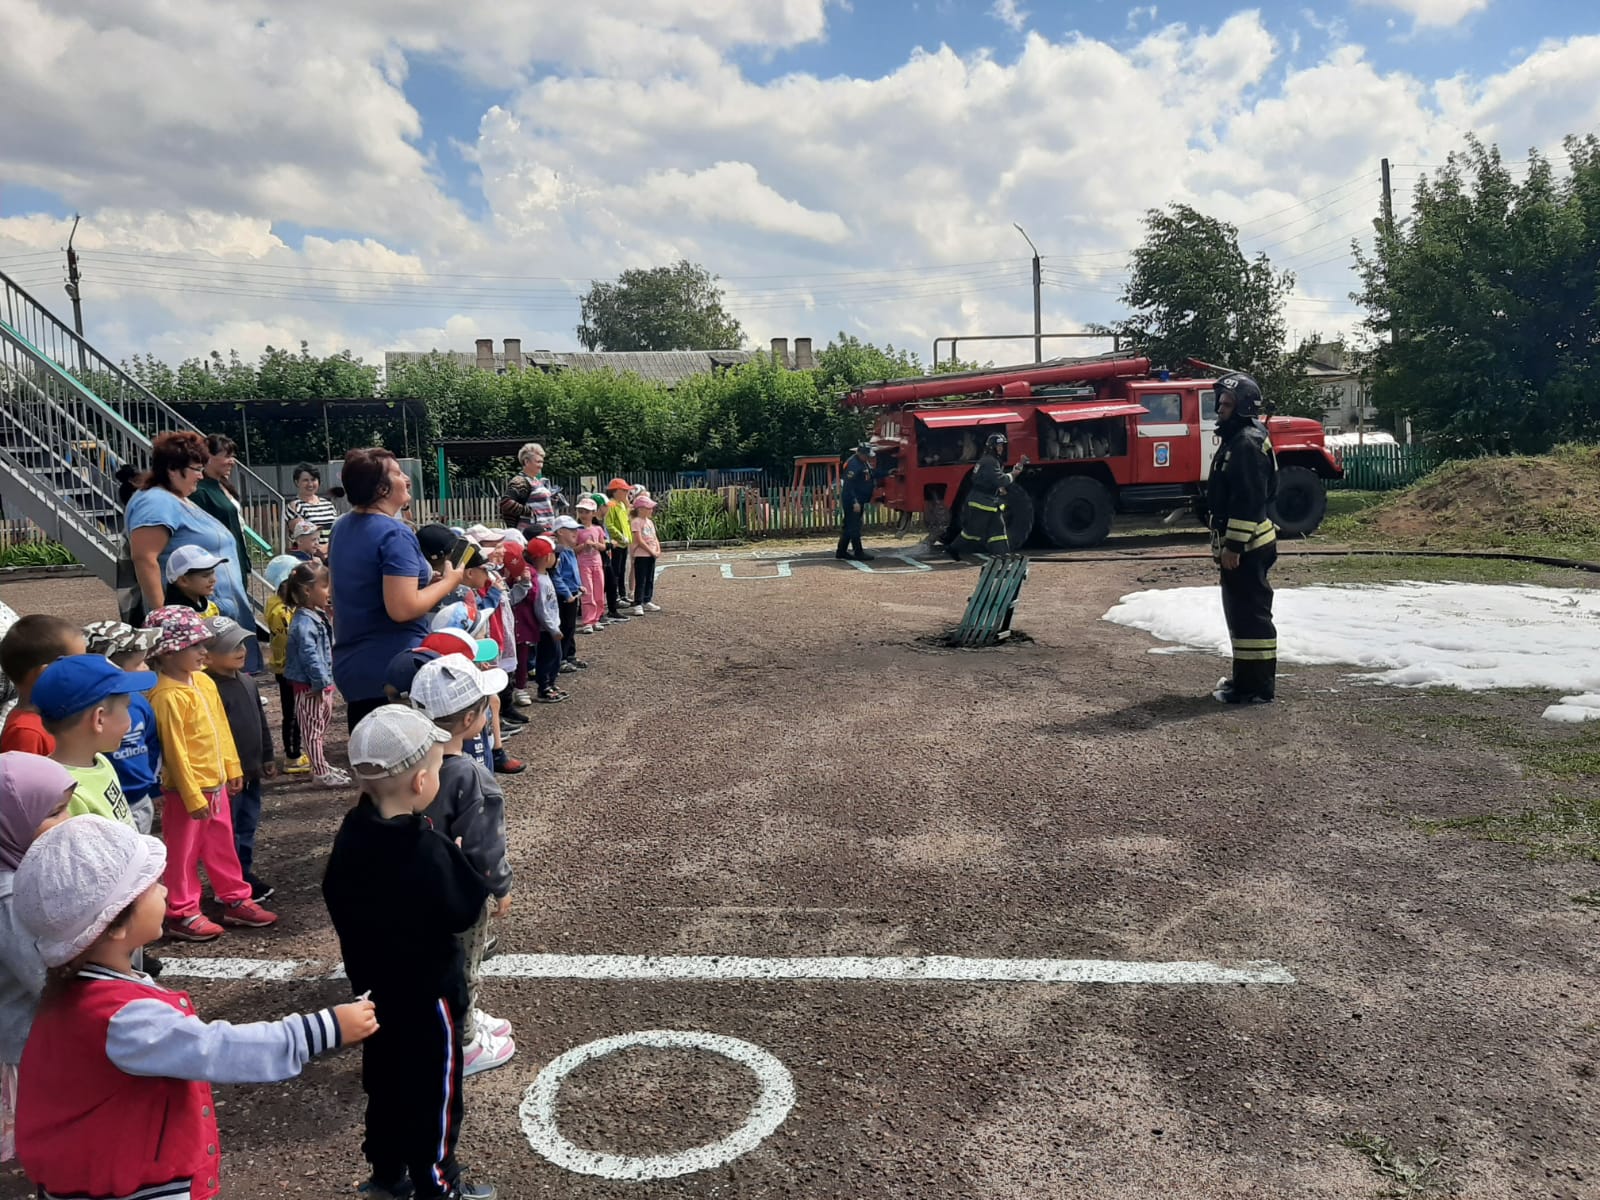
[1433, 14]
[1010, 15]
[1141, 13]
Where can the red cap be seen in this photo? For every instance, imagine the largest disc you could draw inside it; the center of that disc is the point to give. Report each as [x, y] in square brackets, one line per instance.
[537, 548]
[618, 482]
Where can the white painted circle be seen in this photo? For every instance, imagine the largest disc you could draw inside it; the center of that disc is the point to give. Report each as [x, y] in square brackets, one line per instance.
[538, 1111]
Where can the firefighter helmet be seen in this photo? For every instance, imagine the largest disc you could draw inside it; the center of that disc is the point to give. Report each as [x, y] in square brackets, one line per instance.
[1246, 393]
[995, 444]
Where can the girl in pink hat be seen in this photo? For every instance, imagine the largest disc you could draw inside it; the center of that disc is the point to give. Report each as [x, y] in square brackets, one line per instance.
[646, 550]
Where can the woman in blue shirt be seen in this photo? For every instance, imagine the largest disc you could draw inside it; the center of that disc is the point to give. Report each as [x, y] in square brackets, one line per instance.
[382, 593]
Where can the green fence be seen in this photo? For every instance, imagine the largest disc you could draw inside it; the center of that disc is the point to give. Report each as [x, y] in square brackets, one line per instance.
[1383, 468]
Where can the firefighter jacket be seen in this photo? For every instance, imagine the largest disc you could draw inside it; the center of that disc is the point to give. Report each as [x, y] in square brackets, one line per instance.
[1242, 477]
[859, 481]
[989, 482]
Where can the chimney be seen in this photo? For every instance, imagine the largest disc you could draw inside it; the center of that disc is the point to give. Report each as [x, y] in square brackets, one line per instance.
[486, 354]
[513, 354]
[802, 355]
[780, 352]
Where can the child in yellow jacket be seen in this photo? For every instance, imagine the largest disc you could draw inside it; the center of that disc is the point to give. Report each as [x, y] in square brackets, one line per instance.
[199, 764]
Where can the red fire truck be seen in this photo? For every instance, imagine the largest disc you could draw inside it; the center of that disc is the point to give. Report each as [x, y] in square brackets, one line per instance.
[1103, 436]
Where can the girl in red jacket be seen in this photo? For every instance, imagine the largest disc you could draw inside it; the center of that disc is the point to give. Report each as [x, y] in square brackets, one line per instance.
[115, 1095]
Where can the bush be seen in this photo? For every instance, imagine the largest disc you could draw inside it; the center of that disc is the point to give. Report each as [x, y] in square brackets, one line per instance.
[697, 515]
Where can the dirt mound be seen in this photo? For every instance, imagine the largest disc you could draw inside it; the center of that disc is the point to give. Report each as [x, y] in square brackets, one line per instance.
[1497, 502]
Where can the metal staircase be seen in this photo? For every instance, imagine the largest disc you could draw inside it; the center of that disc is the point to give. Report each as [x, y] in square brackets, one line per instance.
[69, 417]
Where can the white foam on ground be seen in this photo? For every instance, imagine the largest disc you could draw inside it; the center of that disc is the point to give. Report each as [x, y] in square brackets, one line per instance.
[1574, 709]
[1465, 635]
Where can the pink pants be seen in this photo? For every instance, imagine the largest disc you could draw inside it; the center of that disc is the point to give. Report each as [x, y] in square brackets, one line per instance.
[191, 843]
[592, 574]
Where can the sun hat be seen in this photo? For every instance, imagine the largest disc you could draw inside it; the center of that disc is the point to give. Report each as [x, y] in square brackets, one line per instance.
[619, 484]
[459, 641]
[180, 628]
[80, 681]
[561, 523]
[31, 788]
[644, 501]
[451, 684]
[586, 503]
[390, 740]
[113, 637]
[278, 569]
[77, 878]
[516, 538]
[191, 558]
[304, 529]
[485, 536]
[226, 634]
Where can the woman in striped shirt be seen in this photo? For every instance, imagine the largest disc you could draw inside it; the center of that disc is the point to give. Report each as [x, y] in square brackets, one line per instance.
[307, 505]
[528, 500]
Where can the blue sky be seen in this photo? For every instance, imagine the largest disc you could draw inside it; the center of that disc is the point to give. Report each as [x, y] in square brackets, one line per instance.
[367, 175]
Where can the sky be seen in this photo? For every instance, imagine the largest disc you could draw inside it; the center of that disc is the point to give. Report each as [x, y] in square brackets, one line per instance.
[372, 175]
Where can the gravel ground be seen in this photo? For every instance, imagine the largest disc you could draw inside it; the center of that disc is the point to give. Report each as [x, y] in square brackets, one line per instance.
[779, 767]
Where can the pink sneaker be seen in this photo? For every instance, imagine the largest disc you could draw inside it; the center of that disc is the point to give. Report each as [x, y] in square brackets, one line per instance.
[486, 1053]
[248, 914]
[197, 928]
[494, 1026]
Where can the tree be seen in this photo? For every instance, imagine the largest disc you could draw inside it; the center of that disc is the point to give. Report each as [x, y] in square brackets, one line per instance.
[1490, 296]
[664, 308]
[1195, 295]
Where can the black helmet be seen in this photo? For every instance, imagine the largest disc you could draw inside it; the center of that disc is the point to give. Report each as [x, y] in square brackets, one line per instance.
[1246, 393]
[995, 444]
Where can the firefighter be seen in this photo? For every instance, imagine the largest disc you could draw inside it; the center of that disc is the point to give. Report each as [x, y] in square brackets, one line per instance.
[854, 496]
[1243, 539]
[983, 516]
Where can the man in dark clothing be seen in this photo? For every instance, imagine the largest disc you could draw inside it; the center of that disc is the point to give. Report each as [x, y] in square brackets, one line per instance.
[983, 516]
[400, 893]
[1244, 540]
[855, 494]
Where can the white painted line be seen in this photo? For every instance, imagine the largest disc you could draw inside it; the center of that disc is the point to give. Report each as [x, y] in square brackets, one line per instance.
[695, 968]
[538, 1110]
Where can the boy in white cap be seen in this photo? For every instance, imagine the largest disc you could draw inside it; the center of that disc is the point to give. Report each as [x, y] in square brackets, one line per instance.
[115, 1097]
[305, 542]
[400, 896]
[470, 809]
[192, 578]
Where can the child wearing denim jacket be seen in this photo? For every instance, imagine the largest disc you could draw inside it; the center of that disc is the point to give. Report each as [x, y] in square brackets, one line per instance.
[308, 665]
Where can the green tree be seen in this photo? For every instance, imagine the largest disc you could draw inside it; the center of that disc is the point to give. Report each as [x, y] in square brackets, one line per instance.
[663, 308]
[1194, 294]
[1491, 291]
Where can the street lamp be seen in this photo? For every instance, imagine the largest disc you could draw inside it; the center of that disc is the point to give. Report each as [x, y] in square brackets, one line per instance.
[1038, 314]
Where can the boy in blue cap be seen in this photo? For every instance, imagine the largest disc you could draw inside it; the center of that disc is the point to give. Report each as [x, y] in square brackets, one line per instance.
[83, 700]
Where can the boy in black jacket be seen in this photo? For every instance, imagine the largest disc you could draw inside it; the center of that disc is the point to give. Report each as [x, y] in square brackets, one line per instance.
[252, 736]
[470, 810]
[399, 893]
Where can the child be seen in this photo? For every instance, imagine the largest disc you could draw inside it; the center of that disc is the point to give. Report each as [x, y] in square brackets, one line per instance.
[83, 699]
[279, 614]
[33, 798]
[400, 895]
[199, 764]
[115, 1097]
[30, 646]
[592, 542]
[138, 759]
[541, 556]
[305, 542]
[308, 665]
[226, 652]
[470, 810]
[569, 590]
[192, 578]
[646, 549]
[490, 745]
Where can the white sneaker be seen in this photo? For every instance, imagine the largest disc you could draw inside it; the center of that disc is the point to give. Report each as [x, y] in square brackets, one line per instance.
[652, 607]
[636, 611]
[335, 778]
[587, 629]
[521, 697]
[486, 1053]
[493, 1026]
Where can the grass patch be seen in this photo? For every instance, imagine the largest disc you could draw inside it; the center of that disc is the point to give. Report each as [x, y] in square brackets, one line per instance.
[1419, 1175]
[1569, 828]
[1385, 568]
[1591, 898]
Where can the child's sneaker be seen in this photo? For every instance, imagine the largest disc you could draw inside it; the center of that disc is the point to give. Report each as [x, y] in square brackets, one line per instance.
[504, 764]
[465, 1189]
[398, 1189]
[301, 766]
[197, 928]
[486, 1053]
[520, 696]
[568, 667]
[551, 696]
[587, 629]
[247, 914]
[651, 606]
[260, 891]
[485, 1024]
[334, 778]
[636, 611]
[617, 617]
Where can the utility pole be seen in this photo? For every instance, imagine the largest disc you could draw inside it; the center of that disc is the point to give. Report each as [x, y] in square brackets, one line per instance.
[1394, 325]
[74, 292]
[1038, 311]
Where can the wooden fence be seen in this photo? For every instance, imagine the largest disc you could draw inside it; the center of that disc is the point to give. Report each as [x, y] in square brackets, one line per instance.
[1384, 468]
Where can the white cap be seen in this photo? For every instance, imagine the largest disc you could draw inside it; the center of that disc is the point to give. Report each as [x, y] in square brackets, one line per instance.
[190, 558]
[390, 740]
[451, 684]
[564, 522]
[302, 529]
[77, 878]
[485, 536]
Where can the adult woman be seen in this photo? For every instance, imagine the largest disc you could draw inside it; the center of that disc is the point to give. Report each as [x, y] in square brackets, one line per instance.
[307, 505]
[161, 516]
[529, 498]
[381, 590]
[215, 495]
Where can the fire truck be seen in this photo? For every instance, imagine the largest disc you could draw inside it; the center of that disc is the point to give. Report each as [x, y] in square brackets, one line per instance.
[1103, 436]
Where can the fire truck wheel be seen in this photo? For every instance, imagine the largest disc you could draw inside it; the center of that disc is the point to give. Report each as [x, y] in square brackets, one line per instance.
[1077, 512]
[1299, 502]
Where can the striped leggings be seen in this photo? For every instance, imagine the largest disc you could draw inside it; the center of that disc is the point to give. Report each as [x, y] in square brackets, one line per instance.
[313, 707]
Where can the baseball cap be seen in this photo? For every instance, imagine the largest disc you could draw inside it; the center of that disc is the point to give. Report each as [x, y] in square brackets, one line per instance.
[301, 528]
[459, 641]
[644, 501]
[485, 536]
[566, 522]
[538, 547]
[77, 878]
[618, 484]
[456, 616]
[79, 681]
[191, 558]
[226, 633]
[113, 637]
[391, 739]
[586, 503]
[180, 628]
[516, 538]
[451, 684]
[436, 540]
[403, 668]
[279, 568]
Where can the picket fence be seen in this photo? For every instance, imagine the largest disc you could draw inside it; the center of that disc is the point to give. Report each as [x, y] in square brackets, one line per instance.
[1386, 467]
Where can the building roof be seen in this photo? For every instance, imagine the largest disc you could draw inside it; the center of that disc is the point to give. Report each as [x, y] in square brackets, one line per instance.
[666, 367]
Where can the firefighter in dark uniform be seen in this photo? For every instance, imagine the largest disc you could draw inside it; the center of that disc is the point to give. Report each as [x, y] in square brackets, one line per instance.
[1244, 540]
[983, 516]
[855, 493]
